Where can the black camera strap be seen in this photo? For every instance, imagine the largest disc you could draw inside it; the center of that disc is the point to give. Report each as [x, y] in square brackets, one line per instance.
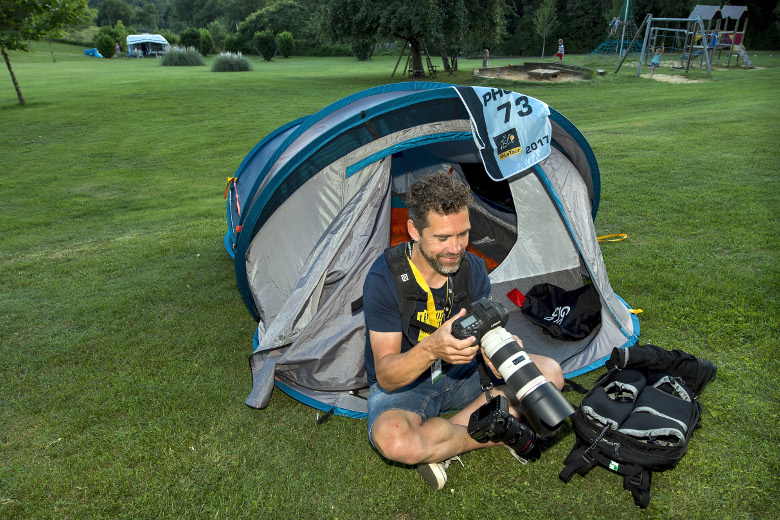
[484, 377]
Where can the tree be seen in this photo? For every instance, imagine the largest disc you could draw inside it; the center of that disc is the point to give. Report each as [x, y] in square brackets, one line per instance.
[206, 42]
[147, 17]
[363, 49]
[191, 38]
[283, 16]
[545, 21]
[415, 22]
[218, 34]
[25, 20]
[199, 13]
[109, 11]
[121, 33]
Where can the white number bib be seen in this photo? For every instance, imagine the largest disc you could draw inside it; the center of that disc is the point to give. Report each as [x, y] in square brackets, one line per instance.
[512, 131]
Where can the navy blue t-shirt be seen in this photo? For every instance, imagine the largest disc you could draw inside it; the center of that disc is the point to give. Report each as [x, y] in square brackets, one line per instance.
[380, 306]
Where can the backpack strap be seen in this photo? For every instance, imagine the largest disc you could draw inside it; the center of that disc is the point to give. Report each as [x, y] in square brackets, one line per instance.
[410, 292]
[578, 461]
[572, 386]
[639, 486]
[584, 458]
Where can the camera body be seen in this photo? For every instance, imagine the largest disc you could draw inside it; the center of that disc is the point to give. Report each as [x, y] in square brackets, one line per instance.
[493, 422]
[541, 403]
[485, 316]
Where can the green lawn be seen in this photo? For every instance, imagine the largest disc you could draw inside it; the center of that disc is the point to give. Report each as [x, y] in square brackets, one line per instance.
[124, 340]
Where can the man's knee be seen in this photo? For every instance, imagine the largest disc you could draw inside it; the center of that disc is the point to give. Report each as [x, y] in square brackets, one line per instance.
[550, 369]
[396, 441]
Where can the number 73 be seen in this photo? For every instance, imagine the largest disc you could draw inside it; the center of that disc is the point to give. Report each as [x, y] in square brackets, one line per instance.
[522, 102]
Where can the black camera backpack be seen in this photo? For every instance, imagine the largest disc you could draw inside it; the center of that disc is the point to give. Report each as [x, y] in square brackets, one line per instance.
[639, 417]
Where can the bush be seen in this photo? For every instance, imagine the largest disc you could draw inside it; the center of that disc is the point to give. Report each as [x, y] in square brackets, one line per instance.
[186, 57]
[363, 49]
[110, 32]
[230, 62]
[169, 36]
[234, 43]
[318, 48]
[285, 43]
[206, 42]
[121, 33]
[191, 38]
[105, 45]
[265, 44]
[218, 33]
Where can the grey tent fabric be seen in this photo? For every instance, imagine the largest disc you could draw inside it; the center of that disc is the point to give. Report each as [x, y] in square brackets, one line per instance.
[333, 274]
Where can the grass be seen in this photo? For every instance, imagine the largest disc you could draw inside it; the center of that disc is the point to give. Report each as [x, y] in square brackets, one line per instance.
[123, 338]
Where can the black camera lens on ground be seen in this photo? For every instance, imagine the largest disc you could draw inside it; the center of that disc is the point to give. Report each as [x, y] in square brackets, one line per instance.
[493, 422]
[541, 403]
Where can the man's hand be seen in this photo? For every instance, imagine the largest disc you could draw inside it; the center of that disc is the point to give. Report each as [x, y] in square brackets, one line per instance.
[443, 345]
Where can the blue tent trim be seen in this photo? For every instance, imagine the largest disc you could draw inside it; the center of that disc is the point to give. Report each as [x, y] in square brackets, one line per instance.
[310, 401]
[411, 143]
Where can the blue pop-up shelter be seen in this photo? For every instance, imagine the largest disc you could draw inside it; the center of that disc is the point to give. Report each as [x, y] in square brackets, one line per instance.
[317, 201]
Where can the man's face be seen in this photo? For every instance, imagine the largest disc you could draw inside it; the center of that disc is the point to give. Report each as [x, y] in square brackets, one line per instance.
[443, 242]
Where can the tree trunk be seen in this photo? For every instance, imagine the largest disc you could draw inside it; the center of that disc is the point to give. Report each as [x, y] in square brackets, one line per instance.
[13, 77]
[444, 58]
[417, 65]
[544, 41]
[51, 51]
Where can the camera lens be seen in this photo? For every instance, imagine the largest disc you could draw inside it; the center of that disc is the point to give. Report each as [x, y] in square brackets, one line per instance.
[541, 403]
[522, 439]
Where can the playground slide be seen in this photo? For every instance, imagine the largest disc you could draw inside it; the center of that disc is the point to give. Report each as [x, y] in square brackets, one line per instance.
[743, 55]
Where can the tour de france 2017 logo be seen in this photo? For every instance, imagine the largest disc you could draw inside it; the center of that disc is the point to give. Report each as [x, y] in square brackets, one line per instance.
[558, 314]
[507, 144]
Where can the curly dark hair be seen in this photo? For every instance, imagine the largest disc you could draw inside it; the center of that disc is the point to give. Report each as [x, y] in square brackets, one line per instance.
[438, 192]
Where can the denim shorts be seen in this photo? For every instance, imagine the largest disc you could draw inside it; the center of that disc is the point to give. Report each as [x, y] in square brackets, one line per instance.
[458, 387]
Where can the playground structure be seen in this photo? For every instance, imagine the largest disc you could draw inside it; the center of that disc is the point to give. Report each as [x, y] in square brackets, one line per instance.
[622, 30]
[706, 30]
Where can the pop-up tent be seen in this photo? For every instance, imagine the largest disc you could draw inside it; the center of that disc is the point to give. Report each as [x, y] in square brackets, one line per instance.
[146, 44]
[318, 200]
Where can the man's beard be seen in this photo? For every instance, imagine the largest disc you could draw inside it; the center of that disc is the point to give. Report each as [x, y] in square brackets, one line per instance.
[445, 269]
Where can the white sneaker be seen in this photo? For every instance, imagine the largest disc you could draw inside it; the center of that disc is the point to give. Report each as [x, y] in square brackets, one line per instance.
[435, 473]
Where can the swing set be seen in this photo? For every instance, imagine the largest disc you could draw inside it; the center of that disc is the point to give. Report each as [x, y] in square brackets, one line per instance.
[706, 30]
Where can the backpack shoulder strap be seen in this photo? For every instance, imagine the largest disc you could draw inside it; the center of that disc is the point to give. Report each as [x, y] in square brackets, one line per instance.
[639, 486]
[409, 291]
[578, 461]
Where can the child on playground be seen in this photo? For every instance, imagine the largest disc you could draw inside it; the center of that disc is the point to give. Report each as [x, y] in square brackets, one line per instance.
[656, 61]
[559, 54]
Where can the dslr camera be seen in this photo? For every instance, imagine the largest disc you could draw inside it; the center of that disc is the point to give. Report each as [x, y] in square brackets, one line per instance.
[542, 404]
[493, 422]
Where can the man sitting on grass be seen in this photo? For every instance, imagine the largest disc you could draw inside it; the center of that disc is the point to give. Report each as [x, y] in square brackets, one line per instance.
[414, 376]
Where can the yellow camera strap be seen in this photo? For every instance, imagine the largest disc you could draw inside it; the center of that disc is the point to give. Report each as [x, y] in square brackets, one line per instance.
[431, 318]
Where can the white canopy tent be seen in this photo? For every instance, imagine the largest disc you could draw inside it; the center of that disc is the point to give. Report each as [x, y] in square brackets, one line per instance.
[146, 45]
